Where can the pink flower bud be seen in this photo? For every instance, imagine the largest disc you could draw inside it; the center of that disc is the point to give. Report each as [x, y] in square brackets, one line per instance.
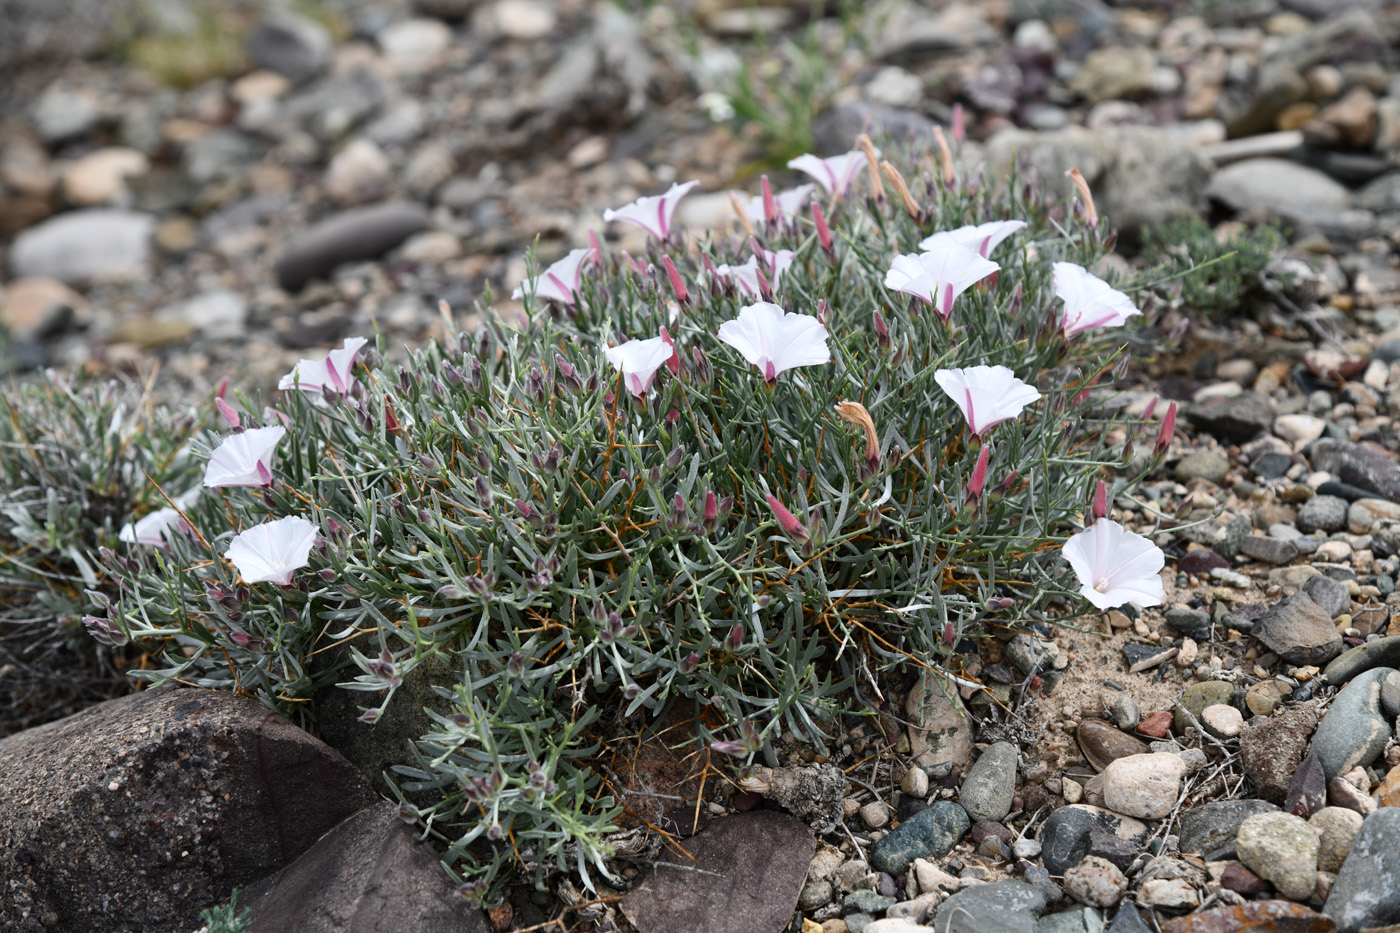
[710, 517]
[790, 525]
[736, 637]
[225, 409]
[1151, 407]
[823, 232]
[677, 284]
[770, 206]
[1164, 436]
[1101, 501]
[979, 474]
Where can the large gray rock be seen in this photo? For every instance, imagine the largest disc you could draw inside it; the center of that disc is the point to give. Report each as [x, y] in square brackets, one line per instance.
[742, 874]
[368, 875]
[1008, 906]
[1141, 175]
[990, 785]
[138, 813]
[1367, 890]
[1367, 466]
[1277, 186]
[1299, 631]
[83, 246]
[1357, 724]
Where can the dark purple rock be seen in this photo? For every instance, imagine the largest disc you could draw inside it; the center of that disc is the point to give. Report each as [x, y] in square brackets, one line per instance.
[1272, 465]
[1307, 792]
[743, 873]
[1201, 561]
[1241, 880]
[350, 236]
[138, 813]
[984, 829]
[368, 874]
[1331, 595]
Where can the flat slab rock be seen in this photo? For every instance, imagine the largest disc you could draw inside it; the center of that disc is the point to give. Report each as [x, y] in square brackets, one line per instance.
[368, 875]
[138, 813]
[742, 874]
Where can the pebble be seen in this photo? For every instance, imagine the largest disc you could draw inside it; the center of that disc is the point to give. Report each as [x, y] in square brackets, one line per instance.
[1096, 882]
[1331, 595]
[1168, 894]
[1126, 715]
[293, 46]
[1357, 725]
[100, 176]
[1064, 836]
[1299, 631]
[1366, 892]
[914, 783]
[1280, 848]
[931, 833]
[1102, 743]
[875, 815]
[356, 234]
[1144, 786]
[1269, 549]
[1271, 751]
[1337, 828]
[97, 244]
[357, 174]
[1202, 464]
[1382, 652]
[1209, 829]
[1224, 721]
[1323, 513]
[414, 45]
[37, 307]
[987, 790]
[1007, 906]
[1299, 430]
[1307, 792]
[1196, 697]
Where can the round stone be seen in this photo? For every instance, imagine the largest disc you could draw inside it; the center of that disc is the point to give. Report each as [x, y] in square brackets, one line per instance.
[1283, 849]
[1144, 786]
[1096, 882]
[1337, 828]
[1222, 720]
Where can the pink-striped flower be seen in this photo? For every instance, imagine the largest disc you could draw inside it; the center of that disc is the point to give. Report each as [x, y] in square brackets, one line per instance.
[157, 528]
[331, 373]
[745, 276]
[653, 214]
[638, 361]
[1116, 566]
[561, 281]
[244, 459]
[775, 340]
[940, 275]
[981, 238]
[987, 395]
[834, 173]
[1089, 301]
[273, 551]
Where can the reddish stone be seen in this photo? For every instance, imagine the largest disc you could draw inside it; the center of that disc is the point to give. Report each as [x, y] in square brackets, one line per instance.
[1255, 917]
[1242, 881]
[1156, 725]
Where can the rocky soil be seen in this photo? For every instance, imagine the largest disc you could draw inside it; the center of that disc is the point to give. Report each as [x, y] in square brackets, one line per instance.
[1227, 761]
